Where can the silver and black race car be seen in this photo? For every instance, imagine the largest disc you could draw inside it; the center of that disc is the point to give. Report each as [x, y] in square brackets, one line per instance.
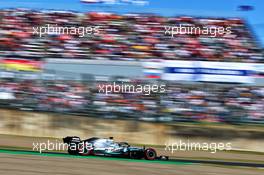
[108, 147]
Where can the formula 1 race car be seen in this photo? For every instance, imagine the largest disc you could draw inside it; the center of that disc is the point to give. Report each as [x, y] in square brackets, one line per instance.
[108, 147]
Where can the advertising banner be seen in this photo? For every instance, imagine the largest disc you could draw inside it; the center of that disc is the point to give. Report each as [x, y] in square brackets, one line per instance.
[179, 70]
[225, 72]
[206, 71]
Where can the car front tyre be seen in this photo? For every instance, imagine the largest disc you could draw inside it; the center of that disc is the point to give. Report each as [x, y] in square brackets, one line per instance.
[150, 154]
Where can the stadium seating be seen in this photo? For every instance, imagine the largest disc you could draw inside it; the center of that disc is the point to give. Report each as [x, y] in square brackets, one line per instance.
[180, 102]
[124, 37]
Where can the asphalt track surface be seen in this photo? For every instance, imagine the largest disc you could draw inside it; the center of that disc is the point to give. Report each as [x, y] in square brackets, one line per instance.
[30, 162]
[170, 161]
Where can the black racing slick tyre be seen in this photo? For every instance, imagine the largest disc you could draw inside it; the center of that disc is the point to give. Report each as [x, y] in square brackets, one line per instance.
[72, 152]
[150, 154]
[83, 151]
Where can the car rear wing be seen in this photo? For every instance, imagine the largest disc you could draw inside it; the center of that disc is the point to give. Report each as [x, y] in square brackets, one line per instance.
[71, 139]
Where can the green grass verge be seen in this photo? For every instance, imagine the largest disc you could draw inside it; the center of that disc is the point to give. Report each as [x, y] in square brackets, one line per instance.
[20, 152]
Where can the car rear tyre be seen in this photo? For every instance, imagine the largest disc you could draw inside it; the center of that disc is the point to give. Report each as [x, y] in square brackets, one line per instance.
[72, 152]
[85, 152]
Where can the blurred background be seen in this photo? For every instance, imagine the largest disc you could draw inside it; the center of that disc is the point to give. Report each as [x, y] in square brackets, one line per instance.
[214, 85]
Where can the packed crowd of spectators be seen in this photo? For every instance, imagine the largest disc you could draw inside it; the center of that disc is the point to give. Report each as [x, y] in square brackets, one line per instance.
[179, 103]
[51, 96]
[123, 37]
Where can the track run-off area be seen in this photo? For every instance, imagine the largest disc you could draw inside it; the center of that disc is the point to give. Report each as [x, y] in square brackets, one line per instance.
[17, 162]
[175, 161]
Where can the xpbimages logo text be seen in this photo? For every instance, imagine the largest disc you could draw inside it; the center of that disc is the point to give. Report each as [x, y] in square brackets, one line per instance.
[80, 31]
[187, 145]
[145, 89]
[210, 31]
[60, 146]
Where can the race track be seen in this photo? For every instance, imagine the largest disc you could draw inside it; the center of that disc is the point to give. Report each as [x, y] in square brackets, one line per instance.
[27, 162]
[32, 163]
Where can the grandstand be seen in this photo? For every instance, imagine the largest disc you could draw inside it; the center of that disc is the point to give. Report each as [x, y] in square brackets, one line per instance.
[124, 37]
[181, 102]
[130, 38]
